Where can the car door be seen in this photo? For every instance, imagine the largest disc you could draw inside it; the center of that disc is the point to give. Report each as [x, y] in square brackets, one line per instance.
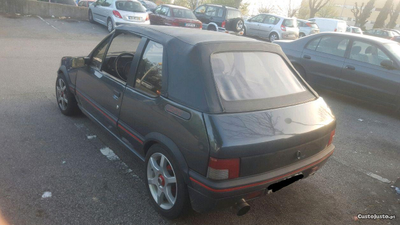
[96, 11]
[253, 24]
[163, 16]
[100, 87]
[364, 77]
[210, 14]
[323, 59]
[267, 26]
[140, 107]
[200, 13]
[155, 17]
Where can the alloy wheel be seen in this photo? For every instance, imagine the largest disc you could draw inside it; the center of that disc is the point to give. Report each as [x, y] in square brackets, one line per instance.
[239, 25]
[61, 94]
[162, 181]
[273, 37]
[110, 26]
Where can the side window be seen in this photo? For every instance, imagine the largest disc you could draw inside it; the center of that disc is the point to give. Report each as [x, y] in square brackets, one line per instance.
[271, 20]
[81, 3]
[257, 19]
[220, 12]
[107, 3]
[149, 75]
[164, 11]
[157, 10]
[98, 54]
[312, 45]
[333, 45]
[211, 11]
[201, 9]
[368, 53]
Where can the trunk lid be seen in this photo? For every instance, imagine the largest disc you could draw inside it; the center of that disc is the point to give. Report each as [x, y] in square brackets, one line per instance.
[270, 139]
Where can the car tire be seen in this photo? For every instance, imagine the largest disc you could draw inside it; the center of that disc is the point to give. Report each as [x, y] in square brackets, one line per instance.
[110, 25]
[244, 31]
[90, 14]
[235, 25]
[66, 101]
[157, 185]
[273, 37]
[301, 35]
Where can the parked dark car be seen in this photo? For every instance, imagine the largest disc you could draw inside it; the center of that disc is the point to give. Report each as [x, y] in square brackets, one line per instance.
[361, 66]
[220, 18]
[172, 15]
[150, 6]
[85, 3]
[387, 34]
[217, 119]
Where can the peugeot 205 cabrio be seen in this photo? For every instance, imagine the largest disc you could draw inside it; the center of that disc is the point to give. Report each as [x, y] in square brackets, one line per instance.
[217, 119]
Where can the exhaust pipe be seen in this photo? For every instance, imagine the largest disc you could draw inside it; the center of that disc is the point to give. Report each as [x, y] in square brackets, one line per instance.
[241, 207]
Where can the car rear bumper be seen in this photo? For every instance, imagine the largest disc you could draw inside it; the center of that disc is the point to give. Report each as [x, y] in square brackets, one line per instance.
[206, 194]
[124, 22]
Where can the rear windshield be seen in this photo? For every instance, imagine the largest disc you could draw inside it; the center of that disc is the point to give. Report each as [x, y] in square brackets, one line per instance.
[290, 22]
[253, 75]
[183, 13]
[130, 6]
[231, 14]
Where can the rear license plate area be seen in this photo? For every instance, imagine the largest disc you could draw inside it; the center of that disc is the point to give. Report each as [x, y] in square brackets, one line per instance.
[190, 25]
[135, 18]
[283, 183]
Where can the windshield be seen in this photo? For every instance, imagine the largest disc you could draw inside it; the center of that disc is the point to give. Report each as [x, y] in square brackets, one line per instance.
[290, 23]
[130, 6]
[183, 13]
[231, 14]
[250, 76]
[394, 48]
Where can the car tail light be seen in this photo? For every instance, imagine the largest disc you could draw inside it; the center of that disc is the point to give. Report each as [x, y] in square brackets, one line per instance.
[223, 24]
[174, 23]
[117, 14]
[331, 137]
[335, 30]
[201, 26]
[308, 24]
[283, 28]
[147, 17]
[222, 169]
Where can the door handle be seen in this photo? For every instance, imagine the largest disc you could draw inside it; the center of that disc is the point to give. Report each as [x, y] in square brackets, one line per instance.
[350, 67]
[306, 56]
[117, 94]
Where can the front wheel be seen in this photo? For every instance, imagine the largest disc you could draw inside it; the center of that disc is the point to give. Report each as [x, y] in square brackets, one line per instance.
[65, 99]
[273, 37]
[91, 16]
[165, 184]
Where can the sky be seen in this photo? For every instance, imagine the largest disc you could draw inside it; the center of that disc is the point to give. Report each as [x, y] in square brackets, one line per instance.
[283, 4]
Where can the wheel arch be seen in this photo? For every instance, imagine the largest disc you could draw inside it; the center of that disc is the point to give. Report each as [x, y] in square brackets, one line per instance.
[212, 24]
[275, 32]
[63, 70]
[170, 146]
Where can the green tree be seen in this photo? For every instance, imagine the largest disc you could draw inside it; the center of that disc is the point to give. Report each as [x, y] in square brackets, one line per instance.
[385, 11]
[365, 14]
[394, 15]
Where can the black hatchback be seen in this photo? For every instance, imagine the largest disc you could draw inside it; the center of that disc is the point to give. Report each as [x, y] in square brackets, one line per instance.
[217, 119]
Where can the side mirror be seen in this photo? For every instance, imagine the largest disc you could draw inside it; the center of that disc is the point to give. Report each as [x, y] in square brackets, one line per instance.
[388, 64]
[79, 62]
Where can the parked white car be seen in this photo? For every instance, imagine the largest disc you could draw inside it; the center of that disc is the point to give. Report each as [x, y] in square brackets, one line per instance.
[330, 25]
[112, 13]
[354, 30]
[272, 27]
[307, 28]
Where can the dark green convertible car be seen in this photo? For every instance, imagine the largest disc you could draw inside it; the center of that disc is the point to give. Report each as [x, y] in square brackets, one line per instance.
[217, 119]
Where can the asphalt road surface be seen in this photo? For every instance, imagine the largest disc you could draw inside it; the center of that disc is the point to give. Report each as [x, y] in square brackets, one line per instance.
[62, 170]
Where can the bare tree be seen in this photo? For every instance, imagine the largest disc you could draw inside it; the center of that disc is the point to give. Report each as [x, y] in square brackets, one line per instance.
[394, 14]
[365, 14]
[357, 12]
[291, 11]
[316, 5]
[267, 9]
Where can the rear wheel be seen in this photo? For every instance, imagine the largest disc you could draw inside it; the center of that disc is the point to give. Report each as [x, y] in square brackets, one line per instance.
[273, 37]
[110, 25]
[165, 184]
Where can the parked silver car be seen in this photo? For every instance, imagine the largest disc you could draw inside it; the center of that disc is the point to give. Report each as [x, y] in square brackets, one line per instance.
[272, 27]
[307, 28]
[112, 13]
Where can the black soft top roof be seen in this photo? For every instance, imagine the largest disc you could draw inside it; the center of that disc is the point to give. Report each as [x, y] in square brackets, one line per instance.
[187, 72]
